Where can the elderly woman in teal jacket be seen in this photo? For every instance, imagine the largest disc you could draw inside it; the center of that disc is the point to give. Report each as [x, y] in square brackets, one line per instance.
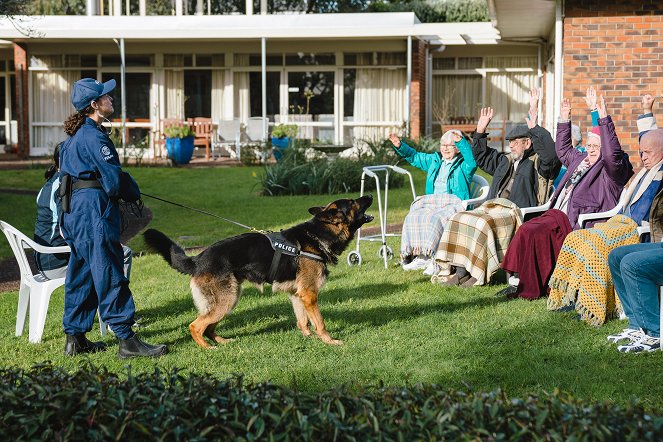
[449, 175]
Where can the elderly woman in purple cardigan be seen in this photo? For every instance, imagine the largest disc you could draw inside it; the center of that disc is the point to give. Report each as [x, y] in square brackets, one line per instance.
[593, 183]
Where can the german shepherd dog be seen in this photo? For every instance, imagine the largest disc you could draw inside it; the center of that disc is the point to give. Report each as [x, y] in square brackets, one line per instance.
[218, 272]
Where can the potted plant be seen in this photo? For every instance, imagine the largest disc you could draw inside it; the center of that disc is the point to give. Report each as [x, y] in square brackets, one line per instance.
[179, 143]
[282, 136]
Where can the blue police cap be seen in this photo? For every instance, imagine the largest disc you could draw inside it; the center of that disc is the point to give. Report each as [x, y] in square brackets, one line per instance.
[87, 90]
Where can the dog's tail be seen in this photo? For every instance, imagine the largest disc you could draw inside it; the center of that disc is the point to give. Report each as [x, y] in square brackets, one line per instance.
[171, 252]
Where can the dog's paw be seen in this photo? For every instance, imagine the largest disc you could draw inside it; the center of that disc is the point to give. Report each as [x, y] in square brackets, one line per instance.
[330, 341]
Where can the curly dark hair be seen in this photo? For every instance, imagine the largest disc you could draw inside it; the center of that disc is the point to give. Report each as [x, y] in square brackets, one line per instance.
[76, 120]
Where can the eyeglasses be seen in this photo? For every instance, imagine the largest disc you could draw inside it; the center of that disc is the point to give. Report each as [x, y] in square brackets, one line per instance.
[448, 146]
[518, 140]
[594, 146]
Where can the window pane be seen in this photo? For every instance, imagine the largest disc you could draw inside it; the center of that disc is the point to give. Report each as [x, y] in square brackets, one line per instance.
[255, 92]
[444, 63]
[3, 103]
[12, 94]
[470, 62]
[72, 61]
[89, 74]
[88, 61]
[271, 60]
[137, 93]
[349, 77]
[197, 94]
[359, 59]
[311, 93]
[456, 98]
[391, 58]
[301, 59]
[129, 60]
[203, 60]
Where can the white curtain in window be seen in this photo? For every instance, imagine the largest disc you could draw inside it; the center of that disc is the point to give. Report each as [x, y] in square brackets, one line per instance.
[508, 92]
[456, 97]
[217, 95]
[380, 96]
[242, 97]
[174, 86]
[51, 102]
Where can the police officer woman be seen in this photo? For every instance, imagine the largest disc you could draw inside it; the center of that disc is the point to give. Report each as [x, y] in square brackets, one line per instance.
[91, 225]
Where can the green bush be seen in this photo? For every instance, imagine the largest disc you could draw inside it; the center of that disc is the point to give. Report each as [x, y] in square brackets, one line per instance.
[285, 130]
[178, 131]
[48, 403]
[295, 175]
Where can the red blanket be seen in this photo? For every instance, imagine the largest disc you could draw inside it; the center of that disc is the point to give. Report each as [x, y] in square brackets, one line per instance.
[533, 252]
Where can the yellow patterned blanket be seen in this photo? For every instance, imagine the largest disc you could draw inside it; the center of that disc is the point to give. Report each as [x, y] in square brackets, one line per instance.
[582, 275]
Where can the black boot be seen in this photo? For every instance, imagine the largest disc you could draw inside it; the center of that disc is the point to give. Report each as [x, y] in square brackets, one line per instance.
[132, 347]
[78, 343]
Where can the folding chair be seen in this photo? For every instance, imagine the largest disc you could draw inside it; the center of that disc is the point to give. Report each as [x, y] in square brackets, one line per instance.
[35, 289]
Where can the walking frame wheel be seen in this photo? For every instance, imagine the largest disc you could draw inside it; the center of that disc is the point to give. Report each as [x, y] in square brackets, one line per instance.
[390, 253]
[354, 259]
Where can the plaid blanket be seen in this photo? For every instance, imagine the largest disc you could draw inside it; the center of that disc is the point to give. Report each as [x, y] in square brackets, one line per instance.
[477, 239]
[425, 222]
[582, 274]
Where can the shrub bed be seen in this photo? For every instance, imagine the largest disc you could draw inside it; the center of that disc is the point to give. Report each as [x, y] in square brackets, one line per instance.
[301, 173]
[46, 402]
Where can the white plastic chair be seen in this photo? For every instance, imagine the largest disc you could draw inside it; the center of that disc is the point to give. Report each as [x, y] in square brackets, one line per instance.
[255, 129]
[35, 290]
[585, 217]
[535, 209]
[228, 136]
[479, 191]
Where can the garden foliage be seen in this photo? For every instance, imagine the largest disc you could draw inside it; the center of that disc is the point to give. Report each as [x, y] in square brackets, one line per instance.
[48, 403]
[295, 174]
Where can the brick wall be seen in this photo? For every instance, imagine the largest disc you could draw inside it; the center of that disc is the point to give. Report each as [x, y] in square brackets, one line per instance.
[418, 90]
[617, 46]
[21, 105]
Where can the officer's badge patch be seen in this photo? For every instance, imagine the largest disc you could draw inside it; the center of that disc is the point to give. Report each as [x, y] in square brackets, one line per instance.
[106, 152]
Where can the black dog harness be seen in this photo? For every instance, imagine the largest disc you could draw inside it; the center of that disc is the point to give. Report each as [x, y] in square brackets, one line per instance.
[282, 246]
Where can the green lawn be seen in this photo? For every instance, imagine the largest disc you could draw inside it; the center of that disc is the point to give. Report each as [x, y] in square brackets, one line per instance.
[397, 327]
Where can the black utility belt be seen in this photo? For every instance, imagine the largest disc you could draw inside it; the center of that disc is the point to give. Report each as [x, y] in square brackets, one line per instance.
[86, 184]
[67, 186]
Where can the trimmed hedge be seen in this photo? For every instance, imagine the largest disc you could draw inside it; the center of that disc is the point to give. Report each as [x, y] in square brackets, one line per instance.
[46, 402]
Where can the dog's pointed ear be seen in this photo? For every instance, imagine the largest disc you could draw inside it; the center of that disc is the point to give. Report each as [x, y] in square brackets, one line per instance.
[315, 210]
[325, 214]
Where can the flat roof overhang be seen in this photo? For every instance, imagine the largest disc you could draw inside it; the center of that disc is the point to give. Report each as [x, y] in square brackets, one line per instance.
[242, 27]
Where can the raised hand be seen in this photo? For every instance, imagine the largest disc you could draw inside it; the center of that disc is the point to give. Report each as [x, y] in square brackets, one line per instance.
[395, 140]
[647, 103]
[565, 110]
[457, 135]
[601, 107]
[485, 116]
[590, 98]
[534, 97]
[533, 117]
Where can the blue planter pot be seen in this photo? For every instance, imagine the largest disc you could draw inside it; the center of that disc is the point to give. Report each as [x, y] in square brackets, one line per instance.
[180, 150]
[279, 144]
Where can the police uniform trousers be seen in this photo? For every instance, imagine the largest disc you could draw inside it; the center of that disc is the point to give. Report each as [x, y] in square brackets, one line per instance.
[95, 275]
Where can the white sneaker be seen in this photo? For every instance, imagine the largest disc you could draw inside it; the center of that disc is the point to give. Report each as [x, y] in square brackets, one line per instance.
[431, 268]
[645, 344]
[417, 264]
[628, 334]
